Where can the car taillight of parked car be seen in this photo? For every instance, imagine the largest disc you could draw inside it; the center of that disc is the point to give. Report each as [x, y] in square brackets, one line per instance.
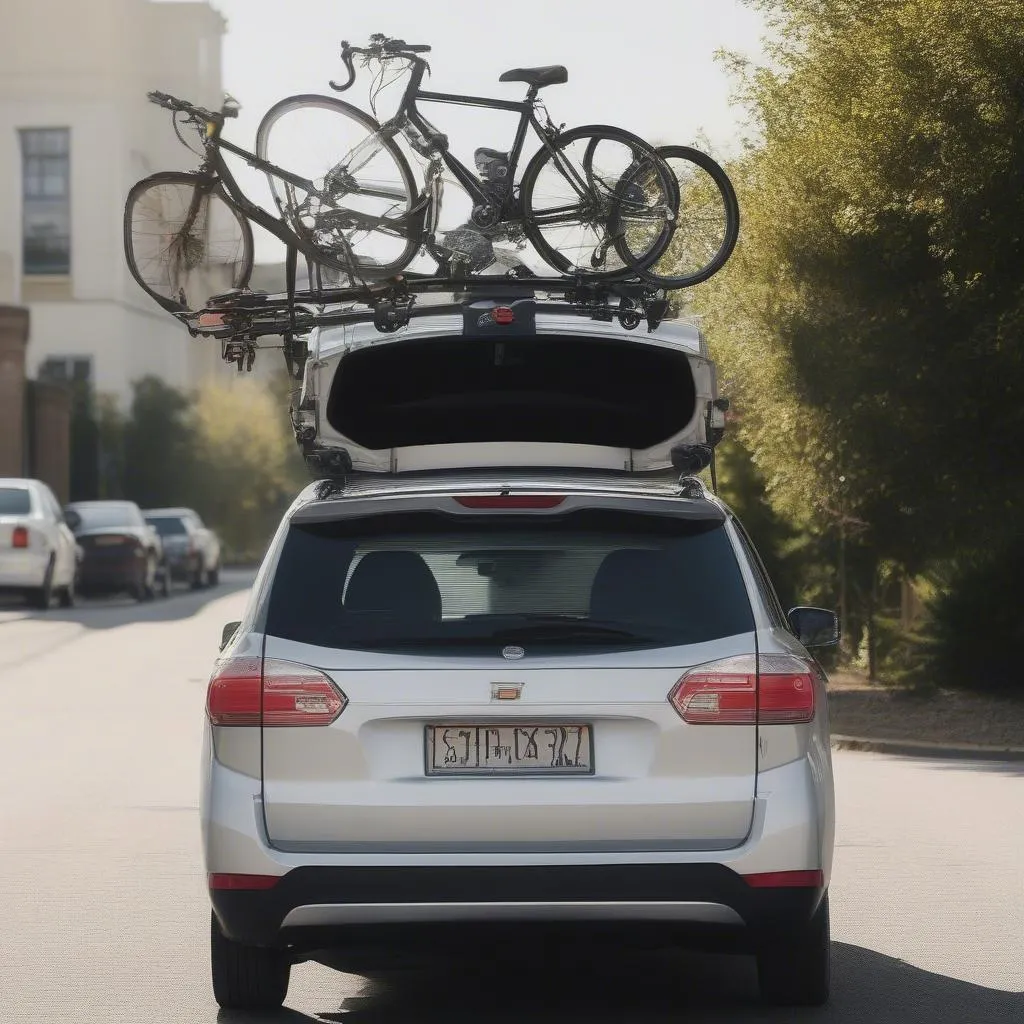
[271, 693]
[19, 537]
[734, 692]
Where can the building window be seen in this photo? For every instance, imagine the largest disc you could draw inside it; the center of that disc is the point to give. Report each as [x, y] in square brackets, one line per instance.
[46, 200]
[66, 370]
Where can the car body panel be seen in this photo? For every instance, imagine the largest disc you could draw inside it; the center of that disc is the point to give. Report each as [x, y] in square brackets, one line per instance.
[49, 540]
[711, 803]
[193, 553]
[119, 553]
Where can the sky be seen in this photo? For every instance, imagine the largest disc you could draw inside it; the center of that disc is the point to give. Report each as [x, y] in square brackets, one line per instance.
[655, 74]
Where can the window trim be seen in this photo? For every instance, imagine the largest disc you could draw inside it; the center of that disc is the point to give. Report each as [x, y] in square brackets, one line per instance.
[764, 584]
[41, 201]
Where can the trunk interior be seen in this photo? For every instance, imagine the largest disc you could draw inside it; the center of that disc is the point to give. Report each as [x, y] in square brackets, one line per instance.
[556, 389]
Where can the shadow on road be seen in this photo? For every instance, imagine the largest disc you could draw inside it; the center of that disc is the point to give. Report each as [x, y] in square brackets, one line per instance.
[868, 988]
[109, 612]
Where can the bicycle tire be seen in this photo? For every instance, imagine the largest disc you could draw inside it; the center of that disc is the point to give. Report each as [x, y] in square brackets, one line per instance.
[532, 227]
[167, 275]
[324, 255]
[719, 190]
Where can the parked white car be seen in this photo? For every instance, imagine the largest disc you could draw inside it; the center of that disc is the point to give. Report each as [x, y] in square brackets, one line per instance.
[38, 552]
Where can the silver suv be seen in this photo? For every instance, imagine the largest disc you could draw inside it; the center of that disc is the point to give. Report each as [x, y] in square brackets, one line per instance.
[466, 702]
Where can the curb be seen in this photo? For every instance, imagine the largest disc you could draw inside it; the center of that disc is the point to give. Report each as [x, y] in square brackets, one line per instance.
[917, 748]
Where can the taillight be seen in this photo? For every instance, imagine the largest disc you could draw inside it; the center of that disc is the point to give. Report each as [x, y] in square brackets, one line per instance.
[732, 692]
[511, 501]
[19, 537]
[281, 694]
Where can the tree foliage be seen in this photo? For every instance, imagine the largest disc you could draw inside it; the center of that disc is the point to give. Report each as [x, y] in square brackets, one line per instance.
[248, 467]
[872, 312]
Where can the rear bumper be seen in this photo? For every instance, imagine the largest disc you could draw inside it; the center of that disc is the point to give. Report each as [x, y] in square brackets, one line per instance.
[322, 899]
[314, 907]
[120, 575]
[23, 568]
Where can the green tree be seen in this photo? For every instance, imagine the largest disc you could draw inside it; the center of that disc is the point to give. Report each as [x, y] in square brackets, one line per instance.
[247, 466]
[158, 445]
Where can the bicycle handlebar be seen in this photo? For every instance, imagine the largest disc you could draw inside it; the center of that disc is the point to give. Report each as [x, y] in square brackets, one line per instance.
[163, 99]
[380, 47]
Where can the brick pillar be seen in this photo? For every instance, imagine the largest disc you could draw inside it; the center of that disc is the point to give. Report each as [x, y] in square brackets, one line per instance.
[51, 437]
[13, 339]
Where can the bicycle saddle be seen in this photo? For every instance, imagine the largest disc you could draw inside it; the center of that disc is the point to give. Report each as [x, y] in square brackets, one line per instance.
[553, 74]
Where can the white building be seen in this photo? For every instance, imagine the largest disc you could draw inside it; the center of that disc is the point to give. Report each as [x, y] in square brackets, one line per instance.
[76, 131]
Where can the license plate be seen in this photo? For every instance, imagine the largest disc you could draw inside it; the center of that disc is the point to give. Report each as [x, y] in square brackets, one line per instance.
[520, 749]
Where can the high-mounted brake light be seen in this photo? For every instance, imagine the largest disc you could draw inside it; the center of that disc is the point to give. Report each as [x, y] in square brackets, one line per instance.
[19, 537]
[282, 694]
[512, 501]
[734, 692]
[503, 315]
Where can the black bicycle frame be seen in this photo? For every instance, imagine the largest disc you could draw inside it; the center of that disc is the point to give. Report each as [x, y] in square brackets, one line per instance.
[216, 166]
[469, 181]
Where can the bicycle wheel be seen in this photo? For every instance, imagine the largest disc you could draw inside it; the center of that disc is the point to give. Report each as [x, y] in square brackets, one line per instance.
[707, 225]
[184, 241]
[576, 205]
[354, 207]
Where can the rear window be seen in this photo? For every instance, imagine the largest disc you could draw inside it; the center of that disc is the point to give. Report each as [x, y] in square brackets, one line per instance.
[114, 513]
[15, 501]
[589, 579]
[167, 526]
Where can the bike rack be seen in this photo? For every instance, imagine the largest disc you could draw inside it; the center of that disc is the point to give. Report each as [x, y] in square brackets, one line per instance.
[239, 319]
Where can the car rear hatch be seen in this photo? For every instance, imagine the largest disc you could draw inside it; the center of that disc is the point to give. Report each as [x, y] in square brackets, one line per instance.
[476, 675]
[540, 389]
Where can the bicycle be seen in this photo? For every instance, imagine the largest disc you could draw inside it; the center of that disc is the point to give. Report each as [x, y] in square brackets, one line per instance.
[187, 234]
[365, 216]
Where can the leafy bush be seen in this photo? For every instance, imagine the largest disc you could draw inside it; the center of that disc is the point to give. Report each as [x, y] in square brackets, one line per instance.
[976, 629]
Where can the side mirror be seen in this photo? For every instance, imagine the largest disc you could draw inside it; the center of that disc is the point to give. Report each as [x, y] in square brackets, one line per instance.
[815, 627]
[227, 633]
[72, 518]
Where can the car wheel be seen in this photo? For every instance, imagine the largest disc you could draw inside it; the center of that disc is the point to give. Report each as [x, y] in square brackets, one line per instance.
[246, 977]
[213, 576]
[42, 597]
[199, 578]
[67, 594]
[794, 969]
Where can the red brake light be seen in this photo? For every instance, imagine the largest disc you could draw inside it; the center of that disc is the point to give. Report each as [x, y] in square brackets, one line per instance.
[786, 879]
[512, 501]
[225, 881]
[282, 694]
[233, 696]
[503, 315]
[733, 692]
[19, 537]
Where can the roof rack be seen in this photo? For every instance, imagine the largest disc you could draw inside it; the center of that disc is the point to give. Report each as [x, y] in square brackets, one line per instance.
[240, 318]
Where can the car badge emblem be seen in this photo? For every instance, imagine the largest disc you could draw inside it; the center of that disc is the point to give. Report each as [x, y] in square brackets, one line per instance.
[512, 653]
[506, 691]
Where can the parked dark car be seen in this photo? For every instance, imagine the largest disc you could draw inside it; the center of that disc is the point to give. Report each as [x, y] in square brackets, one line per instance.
[121, 551]
[192, 550]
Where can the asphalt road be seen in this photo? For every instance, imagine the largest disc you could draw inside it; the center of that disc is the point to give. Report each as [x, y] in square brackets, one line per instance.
[104, 914]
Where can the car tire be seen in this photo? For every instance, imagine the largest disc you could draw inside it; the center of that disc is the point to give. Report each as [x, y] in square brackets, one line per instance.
[213, 576]
[67, 594]
[199, 578]
[246, 977]
[794, 968]
[42, 597]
